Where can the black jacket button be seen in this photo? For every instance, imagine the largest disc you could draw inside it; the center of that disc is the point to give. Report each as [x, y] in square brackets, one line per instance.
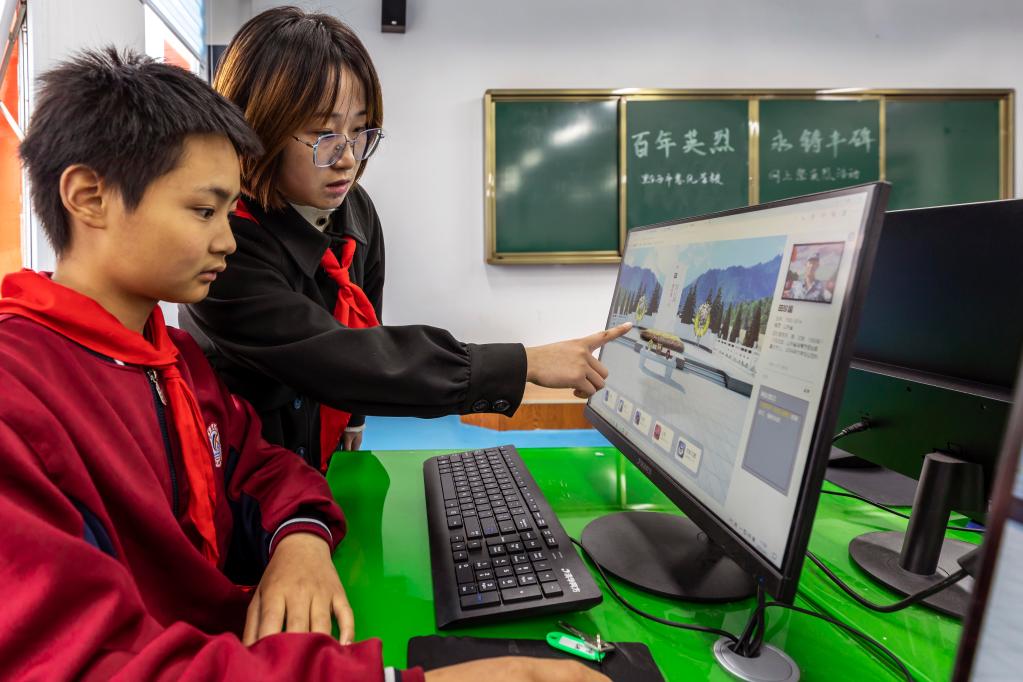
[481, 405]
[501, 405]
[297, 403]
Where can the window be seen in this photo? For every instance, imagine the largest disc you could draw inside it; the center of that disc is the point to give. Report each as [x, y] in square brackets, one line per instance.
[174, 32]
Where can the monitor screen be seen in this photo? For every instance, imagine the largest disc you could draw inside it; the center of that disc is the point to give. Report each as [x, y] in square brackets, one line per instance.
[719, 384]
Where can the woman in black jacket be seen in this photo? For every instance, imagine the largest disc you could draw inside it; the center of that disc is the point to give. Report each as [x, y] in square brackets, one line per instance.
[293, 323]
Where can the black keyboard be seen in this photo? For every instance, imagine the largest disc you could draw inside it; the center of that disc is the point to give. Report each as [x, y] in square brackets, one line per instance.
[496, 549]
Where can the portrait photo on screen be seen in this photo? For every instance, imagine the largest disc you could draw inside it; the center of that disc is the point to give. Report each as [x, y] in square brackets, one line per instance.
[813, 269]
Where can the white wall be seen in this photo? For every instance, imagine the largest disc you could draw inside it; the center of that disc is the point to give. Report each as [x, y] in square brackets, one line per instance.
[427, 180]
[56, 29]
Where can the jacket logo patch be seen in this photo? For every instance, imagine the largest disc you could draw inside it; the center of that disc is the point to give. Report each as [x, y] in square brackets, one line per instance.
[213, 433]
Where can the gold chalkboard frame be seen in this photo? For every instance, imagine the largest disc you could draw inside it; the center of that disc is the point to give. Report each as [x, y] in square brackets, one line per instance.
[1006, 115]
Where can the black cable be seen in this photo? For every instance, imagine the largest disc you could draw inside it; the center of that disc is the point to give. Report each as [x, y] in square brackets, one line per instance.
[895, 606]
[758, 616]
[683, 626]
[861, 425]
[893, 511]
[853, 631]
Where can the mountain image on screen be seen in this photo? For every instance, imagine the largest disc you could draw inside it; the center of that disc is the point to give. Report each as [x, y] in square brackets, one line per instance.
[636, 283]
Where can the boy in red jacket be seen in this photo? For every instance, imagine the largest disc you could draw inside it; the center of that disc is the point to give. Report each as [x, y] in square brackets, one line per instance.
[137, 498]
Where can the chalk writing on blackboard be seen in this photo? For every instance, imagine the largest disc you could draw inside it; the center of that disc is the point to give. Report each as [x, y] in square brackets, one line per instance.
[691, 143]
[679, 178]
[827, 174]
[811, 141]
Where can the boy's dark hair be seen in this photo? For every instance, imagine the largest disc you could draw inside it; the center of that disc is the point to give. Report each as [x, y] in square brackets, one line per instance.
[126, 117]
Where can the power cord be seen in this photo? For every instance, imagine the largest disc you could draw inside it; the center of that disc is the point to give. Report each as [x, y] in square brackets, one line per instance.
[752, 638]
[895, 606]
[861, 425]
[896, 512]
[663, 621]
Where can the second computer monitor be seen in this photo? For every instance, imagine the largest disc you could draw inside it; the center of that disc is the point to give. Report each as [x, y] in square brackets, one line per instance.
[725, 391]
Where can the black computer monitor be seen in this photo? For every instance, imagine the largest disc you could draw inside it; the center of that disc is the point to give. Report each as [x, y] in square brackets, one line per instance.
[726, 390]
[933, 367]
[989, 649]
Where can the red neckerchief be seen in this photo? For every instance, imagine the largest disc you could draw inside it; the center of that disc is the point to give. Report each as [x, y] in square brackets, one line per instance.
[352, 309]
[77, 317]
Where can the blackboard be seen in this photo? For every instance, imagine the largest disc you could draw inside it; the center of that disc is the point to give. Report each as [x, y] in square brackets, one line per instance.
[932, 142]
[569, 172]
[556, 168]
[815, 145]
[685, 157]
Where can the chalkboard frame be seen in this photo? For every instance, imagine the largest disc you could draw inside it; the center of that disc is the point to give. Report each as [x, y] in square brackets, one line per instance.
[1006, 144]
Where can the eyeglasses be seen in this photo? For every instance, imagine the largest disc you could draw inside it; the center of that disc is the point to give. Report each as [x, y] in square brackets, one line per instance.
[328, 149]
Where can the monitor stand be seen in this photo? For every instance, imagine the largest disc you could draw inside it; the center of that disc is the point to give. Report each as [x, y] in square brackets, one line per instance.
[920, 557]
[870, 481]
[665, 554]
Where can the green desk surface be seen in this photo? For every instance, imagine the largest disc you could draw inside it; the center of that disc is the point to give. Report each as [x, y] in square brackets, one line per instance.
[384, 563]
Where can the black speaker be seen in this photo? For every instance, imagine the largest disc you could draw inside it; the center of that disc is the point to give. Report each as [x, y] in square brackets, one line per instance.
[393, 16]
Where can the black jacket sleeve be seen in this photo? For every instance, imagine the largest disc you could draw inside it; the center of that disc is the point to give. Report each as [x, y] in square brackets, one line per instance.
[260, 323]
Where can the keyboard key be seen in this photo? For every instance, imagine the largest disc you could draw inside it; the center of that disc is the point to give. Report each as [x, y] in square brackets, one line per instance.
[507, 582]
[489, 527]
[501, 561]
[472, 528]
[519, 558]
[464, 573]
[542, 566]
[526, 579]
[504, 526]
[496, 550]
[551, 542]
[447, 486]
[459, 556]
[473, 545]
[454, 522]
[533, 544]
[451, 504]
[457, 546]
[479, 600]
[502, 539]
[457, 537]
[515, 547]
[541, 523]
[523, 568]
[487, 586]
[537, 556]
[467, 588]
[484, 575]
[545, 576]
[504, 571]
[522, 523]
[481, 565]
[529, 535]
[552, 589]
[521, 593]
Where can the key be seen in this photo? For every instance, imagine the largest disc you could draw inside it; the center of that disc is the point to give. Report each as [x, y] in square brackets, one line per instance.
[527, 579]
[454, 522]
[447, 486]
[505, 526]
[489, 527]
[467, 588]
[521, 593]
[464, 573]
[460, 556]
[547, 576]
[496, 550]
[479, 600]
[522, 523]
[504, 571]
[552, 589]
[487, 586]
[484, 575]
[472, 528]
[472, 545]
[507, 582]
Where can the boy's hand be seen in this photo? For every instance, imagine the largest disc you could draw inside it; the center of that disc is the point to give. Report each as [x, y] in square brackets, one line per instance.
[570, 364]
[351, 440]
[516, 669]
[299, 592]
